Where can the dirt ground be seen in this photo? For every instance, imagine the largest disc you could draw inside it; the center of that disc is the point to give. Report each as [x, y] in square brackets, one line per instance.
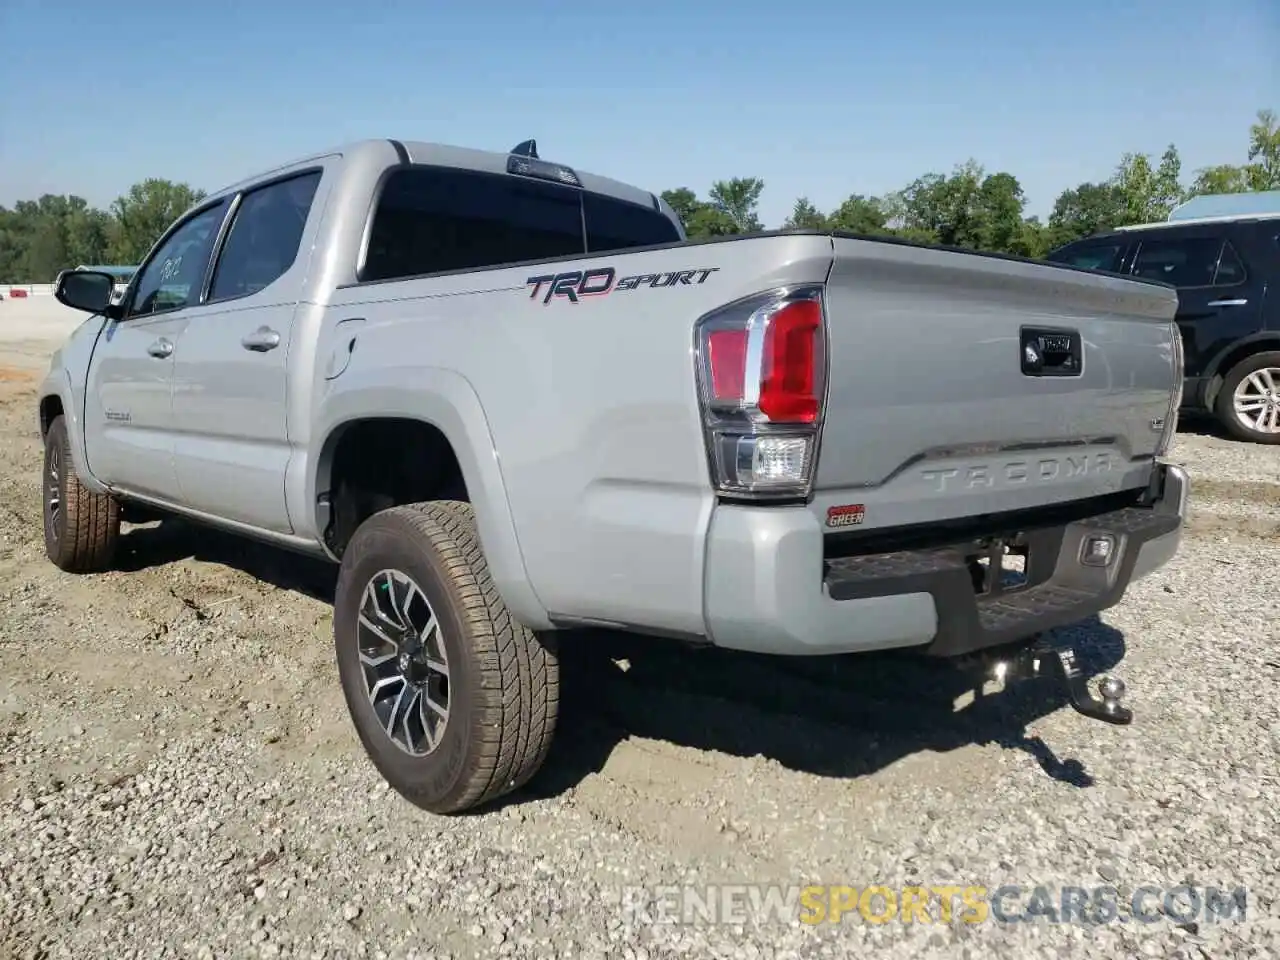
[178, 776]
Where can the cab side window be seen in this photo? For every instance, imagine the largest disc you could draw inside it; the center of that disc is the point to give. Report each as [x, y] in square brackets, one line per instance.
[173, 277]
[264, 238]
[432, 219]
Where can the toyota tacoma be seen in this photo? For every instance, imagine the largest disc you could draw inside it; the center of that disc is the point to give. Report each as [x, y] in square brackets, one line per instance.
[510, 398]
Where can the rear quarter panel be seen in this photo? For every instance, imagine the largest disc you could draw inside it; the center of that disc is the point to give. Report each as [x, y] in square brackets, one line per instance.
[591, 408]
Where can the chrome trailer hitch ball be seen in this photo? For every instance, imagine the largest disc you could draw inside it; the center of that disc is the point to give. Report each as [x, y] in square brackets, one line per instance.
[1029, 663]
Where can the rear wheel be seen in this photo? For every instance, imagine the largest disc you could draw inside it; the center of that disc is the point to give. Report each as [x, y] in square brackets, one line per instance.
[454, 702]
[1248, 404]
[81, 528]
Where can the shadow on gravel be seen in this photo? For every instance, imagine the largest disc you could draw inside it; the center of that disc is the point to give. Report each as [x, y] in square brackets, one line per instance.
[1202, 425]
[171, 540]
[842, 716]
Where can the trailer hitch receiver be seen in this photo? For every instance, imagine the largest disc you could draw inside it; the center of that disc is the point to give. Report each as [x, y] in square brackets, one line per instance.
[1042, 658]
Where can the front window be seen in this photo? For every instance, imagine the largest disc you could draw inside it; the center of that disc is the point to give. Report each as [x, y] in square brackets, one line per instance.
[1090, 256]
[173, 277]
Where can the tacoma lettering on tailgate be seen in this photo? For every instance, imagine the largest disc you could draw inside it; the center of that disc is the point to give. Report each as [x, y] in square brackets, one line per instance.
[1017, 472]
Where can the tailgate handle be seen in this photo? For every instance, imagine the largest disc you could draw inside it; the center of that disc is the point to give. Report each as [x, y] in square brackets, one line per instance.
[1050, 352]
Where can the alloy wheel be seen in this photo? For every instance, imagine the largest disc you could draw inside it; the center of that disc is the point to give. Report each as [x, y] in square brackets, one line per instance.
[1256, 400]
[404, 662]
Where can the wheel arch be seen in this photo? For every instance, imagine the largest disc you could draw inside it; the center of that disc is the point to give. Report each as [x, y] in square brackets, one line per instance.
[56, 399]
[1225, 359]
[445, 404]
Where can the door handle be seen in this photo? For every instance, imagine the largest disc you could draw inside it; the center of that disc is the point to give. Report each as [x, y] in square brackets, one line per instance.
[1227, 303]
[161, 348]
[261, 340]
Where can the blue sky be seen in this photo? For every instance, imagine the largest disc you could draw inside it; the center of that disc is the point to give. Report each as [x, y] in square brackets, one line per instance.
[818, 98]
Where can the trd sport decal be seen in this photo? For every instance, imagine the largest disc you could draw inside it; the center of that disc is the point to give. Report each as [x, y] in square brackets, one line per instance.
[573, 285]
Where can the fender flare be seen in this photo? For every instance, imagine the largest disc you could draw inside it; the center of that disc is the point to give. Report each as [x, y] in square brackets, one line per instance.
[446, 400]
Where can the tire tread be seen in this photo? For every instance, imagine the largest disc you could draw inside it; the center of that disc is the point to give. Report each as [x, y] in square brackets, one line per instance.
[518, 670]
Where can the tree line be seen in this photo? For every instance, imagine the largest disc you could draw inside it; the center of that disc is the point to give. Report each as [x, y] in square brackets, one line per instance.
[976, 209]
[969, 207]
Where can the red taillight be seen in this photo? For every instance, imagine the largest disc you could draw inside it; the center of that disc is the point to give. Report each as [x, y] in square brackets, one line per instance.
[789, 374]
[761, 379]
[727, 357]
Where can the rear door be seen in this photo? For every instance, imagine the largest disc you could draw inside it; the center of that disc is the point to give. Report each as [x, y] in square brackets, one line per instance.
[128, 405]
[230, 397]
[1219, 296]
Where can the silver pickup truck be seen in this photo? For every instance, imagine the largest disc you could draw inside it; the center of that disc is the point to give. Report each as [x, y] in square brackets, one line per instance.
[510, 398]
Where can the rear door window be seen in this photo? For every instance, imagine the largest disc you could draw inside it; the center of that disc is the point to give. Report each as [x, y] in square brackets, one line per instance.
[1185, 261]
[435, 219]
[1230, 267]
[264, 238]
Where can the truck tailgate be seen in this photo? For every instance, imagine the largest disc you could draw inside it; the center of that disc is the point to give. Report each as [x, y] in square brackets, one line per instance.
[936, 409]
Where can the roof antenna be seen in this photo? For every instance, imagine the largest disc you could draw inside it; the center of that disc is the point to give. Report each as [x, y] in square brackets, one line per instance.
[527, 148]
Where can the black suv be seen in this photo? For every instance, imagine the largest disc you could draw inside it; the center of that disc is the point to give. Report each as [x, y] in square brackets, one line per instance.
[1227, 271]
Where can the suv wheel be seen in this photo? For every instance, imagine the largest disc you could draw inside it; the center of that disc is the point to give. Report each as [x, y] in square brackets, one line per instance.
[81, 528]
[1249, 402]
[454, 702]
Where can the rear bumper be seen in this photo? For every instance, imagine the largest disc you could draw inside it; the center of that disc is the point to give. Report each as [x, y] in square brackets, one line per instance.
[769, 588]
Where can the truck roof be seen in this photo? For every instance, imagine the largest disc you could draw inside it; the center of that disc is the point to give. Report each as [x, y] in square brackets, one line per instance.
[447, 155]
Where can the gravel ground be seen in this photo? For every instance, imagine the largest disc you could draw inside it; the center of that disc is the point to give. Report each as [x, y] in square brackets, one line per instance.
[178, 777]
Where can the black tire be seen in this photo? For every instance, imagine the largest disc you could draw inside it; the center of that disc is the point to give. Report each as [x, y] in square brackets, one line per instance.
[82, 529]
[1224, 406]
[503, 685]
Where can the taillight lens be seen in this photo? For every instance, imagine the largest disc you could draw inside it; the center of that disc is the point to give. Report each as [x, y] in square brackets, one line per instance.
[727, 356]
[789, 374]
[761, 370]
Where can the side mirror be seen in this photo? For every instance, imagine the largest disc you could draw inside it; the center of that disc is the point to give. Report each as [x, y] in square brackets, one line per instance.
[85, 290]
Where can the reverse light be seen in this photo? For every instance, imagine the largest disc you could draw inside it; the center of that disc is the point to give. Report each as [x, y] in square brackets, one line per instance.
[761, 371]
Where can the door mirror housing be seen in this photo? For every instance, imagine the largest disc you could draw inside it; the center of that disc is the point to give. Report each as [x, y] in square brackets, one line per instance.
[89, 290]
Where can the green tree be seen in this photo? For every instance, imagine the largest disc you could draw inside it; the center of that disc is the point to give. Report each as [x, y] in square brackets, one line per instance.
[1084, 210]
[1147, 193]
[999, 204]
[1264, 152]
[700, 218]
[1222, 178]
[805, 216]
[1260, 172]
[968, 208]
[684, 202]
[144, 213]
[862, 215]
[738, 199]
